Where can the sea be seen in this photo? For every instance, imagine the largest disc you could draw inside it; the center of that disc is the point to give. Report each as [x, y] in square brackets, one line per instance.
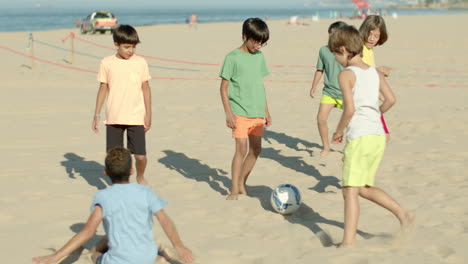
[49, 17]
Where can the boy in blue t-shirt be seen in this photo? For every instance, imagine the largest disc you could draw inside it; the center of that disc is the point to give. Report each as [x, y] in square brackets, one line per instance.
[126, 210]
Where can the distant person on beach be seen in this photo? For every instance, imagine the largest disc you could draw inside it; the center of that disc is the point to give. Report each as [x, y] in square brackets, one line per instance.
[244, 101]
[365, 141]
[331, 93]
[374, 33]
[193, 21]
[124, 81]
[127, 211]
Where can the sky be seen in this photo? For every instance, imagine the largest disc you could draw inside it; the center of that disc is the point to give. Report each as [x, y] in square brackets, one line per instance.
[156, 3]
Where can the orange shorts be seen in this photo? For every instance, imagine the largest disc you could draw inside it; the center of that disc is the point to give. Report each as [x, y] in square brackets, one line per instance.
[246, 126]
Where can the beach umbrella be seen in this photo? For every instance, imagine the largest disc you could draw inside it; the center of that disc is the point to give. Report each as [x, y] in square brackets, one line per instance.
[361, 4]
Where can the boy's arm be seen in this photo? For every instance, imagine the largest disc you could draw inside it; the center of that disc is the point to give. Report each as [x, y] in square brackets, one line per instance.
[317, 76]
[76, 241]
[147, 99]
[268, 120]
[101, 97]
[230, 119]
[346, 80]
[169, 228]
[387, 94]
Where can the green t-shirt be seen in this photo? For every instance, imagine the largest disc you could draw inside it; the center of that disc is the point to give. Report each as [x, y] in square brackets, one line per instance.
[327, 63]
[245, 73]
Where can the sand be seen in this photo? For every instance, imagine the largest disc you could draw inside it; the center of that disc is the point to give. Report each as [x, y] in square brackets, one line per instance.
[52, 162]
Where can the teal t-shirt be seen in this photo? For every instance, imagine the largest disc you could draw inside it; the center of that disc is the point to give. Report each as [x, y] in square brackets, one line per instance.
[245, 73]
[327, 63]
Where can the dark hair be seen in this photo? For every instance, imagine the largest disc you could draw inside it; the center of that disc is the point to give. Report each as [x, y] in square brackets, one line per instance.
[336, 25]
[256, 29]
[373, 22]
[118, 164]
[348, 37]
[125, 34]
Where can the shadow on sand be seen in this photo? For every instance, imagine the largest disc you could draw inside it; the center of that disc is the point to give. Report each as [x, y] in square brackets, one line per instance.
[299, 165]
[305, 216]
[195, 170]
[91, 171]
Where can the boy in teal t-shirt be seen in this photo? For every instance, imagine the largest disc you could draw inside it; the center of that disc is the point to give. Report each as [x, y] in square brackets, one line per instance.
[244, 101]
[327, 64]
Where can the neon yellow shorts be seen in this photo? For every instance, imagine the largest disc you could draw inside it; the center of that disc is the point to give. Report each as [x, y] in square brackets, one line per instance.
[331, 100]
[362, 157]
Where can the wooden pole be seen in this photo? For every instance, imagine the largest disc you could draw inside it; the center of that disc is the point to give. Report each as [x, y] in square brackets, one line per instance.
[72, 47]
[31, 49]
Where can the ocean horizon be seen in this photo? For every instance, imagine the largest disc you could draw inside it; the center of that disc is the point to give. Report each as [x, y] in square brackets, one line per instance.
[50, 18]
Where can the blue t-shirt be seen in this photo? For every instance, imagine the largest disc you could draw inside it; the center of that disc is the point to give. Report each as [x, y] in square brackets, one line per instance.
[128, 221]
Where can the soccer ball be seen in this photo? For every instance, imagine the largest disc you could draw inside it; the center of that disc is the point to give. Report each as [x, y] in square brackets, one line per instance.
[285, 199]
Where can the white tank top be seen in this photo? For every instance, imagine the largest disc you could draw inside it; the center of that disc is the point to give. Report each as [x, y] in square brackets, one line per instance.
[366, 118]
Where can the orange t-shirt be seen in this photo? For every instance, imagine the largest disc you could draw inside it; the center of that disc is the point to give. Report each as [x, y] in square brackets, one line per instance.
[125, 104]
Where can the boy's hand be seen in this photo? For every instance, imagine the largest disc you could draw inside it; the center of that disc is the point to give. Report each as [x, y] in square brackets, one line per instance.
[45, 259]
[230, 121]
[268, 121]
[337, 137]
[185, 254]
[312, 91]
[147, 123]
[95, 126]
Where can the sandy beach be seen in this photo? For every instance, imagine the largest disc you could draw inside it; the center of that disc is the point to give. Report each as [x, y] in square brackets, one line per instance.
[52, 162]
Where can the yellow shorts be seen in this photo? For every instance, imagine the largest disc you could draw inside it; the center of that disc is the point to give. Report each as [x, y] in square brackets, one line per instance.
[362, 157]
[331, 100]
[246, 126]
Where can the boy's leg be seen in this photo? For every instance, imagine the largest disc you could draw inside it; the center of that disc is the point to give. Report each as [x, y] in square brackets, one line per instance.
[236, 167]
[351, 216]
[99, 249]
[322, 117]
[136, 142]
[381, 198]
[114, 136]
[255, 147]
[140, 165]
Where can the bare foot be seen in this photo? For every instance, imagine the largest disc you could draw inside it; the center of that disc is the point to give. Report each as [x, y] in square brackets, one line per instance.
[141, 180]
[232, 196]
[243, 190]
[324, 152]
[407, 222]
[387, 137]
[346, 245]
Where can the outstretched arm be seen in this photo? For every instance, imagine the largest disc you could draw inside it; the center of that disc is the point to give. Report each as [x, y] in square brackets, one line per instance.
[101, 97]
[346, 79]
[171, 232]
[147, 99]
[317, 77]
[76, 241]
[230, 119]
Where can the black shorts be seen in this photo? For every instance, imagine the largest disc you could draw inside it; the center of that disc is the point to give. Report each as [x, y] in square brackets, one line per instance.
[136, 141]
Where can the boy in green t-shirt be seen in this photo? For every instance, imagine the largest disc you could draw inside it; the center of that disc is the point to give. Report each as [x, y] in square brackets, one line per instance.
[331, 97]
[244, 101]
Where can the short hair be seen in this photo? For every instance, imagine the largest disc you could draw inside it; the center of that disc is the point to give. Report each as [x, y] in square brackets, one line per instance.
[125, 34]
[348, 37]
[256, 29]
[118, 164]
[373, 22]
[336, 25]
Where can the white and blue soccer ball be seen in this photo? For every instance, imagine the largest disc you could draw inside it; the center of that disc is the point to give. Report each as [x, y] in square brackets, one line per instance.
[285, 199]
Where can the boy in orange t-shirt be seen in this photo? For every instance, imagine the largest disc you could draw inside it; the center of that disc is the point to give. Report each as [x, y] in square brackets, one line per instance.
[124, 81]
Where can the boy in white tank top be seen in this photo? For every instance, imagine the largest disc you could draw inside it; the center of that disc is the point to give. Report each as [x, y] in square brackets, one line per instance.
[365, 138]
